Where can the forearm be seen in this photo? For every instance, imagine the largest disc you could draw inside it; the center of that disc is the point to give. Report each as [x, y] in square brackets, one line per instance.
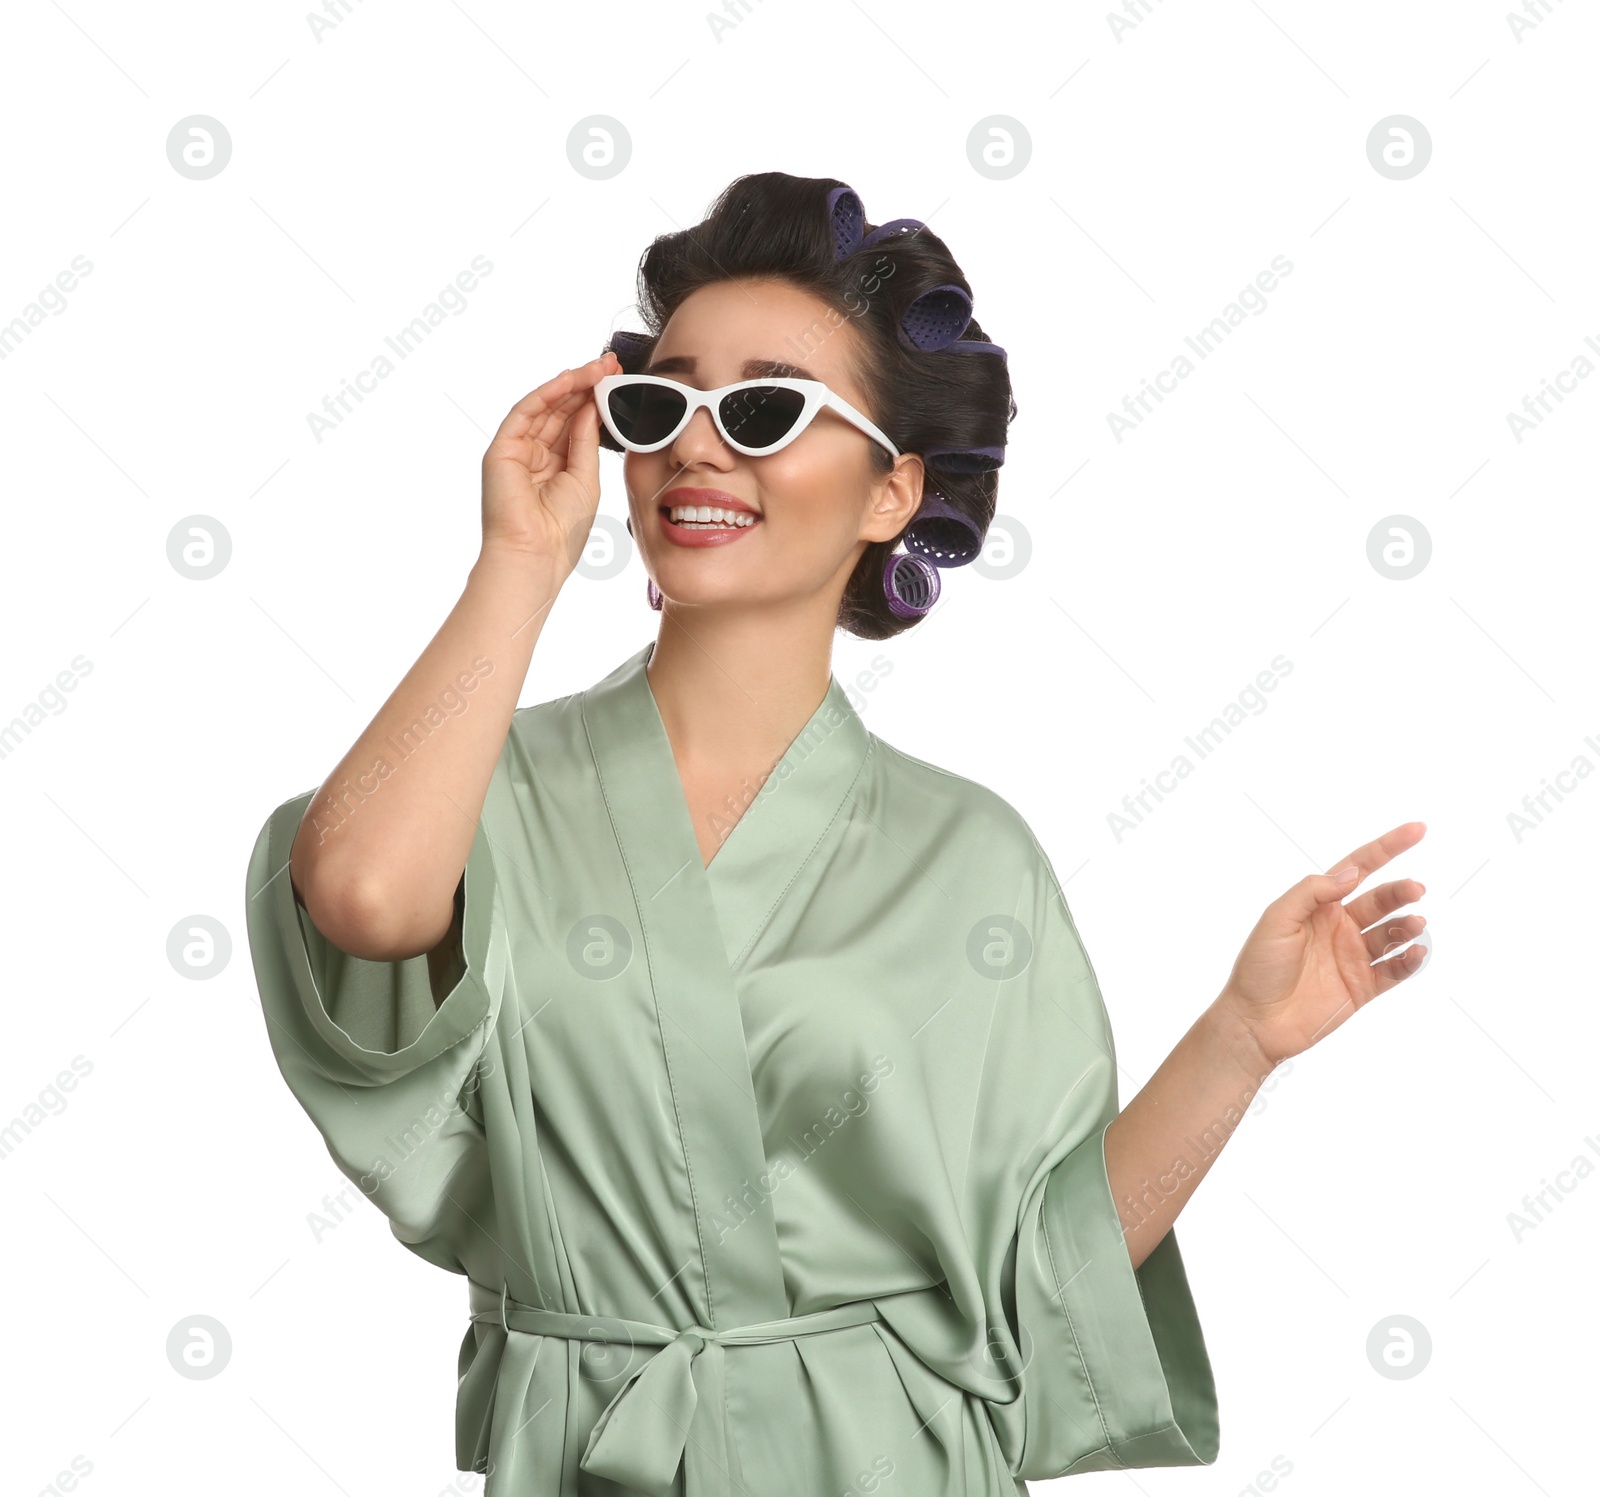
[384, 841]
[1159, 1147]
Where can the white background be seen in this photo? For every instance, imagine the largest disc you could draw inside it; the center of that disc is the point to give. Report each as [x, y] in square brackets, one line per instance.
[1167, 169]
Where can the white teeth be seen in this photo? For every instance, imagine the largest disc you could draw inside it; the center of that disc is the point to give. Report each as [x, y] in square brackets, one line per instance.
[706, 514]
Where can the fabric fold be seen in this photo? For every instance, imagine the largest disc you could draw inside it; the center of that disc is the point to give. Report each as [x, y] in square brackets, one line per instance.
[1132, 1336]
[639, 1439]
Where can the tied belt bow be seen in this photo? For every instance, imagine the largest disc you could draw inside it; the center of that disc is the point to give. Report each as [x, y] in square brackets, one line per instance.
[670, 1410]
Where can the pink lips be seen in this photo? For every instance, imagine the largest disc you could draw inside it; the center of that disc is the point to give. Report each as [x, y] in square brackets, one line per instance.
[714, 497]
[679, 536]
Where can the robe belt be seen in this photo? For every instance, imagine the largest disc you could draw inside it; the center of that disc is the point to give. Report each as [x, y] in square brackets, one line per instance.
[669, 1410]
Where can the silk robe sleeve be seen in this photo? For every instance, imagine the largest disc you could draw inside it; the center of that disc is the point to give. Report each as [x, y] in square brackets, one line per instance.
[387, 1074]
[1112, 1364]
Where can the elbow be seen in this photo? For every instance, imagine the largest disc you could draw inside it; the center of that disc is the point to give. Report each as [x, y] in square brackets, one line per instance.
[359, 917]
[360, 911]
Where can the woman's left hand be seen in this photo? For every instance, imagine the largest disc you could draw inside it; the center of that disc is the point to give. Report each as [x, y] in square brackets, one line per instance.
[1305, 968]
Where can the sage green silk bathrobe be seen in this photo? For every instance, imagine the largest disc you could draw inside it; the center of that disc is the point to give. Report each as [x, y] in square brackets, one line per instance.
[777, 1177]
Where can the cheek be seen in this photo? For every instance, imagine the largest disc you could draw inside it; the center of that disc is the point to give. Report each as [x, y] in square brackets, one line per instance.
[645, 476]
[808, 498]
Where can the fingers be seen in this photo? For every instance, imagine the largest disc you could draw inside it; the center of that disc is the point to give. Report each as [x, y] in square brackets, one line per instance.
[570, 385]
[1371, 857]
[557, 398]
[1322, 888]
[1388, 974]
[1375, 904]
[1389, 934]
[583, 450]
[1300, 901]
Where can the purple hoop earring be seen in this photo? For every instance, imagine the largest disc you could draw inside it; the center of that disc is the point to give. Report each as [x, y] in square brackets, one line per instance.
[653, 593]
[910, 584]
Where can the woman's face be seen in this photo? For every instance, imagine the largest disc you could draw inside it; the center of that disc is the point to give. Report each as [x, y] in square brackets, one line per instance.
[817, 502]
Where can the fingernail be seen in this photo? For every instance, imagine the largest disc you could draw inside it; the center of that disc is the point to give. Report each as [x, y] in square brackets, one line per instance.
[1344, 875]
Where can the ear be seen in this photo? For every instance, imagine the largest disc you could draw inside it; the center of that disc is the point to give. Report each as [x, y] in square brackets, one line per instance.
[898, 495]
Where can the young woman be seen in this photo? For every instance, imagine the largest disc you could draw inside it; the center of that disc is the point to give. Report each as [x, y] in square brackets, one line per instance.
[751, 1070]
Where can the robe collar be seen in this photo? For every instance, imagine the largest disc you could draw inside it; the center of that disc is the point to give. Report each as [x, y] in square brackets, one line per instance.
[696, 924]
[770, 840]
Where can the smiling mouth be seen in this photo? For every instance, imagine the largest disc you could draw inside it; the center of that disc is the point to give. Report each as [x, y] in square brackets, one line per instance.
[707, 517]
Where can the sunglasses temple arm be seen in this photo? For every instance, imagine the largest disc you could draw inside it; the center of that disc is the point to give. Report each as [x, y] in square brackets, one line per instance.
[852, 415]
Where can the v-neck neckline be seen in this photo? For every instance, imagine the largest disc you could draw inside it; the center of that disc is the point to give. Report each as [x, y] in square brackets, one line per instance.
[695, 923]
[773, 836]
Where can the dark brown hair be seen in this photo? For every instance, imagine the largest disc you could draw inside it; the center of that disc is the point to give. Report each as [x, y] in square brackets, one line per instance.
[770, 224]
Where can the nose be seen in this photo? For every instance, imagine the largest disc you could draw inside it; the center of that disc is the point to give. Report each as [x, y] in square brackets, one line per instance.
[701, 442]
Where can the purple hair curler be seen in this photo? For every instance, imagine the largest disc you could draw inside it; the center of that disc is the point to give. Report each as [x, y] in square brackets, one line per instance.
[895, 228]
[964, 459]
[849, 220]
[910, 583]
[972, 345]
[943, 533]
[936, 319]
[628, 345]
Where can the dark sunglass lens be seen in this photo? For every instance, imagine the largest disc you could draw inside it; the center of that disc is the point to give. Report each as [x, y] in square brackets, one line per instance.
[646, 413]
[760, 415]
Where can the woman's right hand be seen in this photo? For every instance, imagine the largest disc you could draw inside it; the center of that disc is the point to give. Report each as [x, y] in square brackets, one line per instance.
[541, 474]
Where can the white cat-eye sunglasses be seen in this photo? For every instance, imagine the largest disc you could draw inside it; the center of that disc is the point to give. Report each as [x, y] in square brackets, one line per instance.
[755, 417]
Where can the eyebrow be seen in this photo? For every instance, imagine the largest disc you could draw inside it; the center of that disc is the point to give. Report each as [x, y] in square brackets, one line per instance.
[751, 369]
